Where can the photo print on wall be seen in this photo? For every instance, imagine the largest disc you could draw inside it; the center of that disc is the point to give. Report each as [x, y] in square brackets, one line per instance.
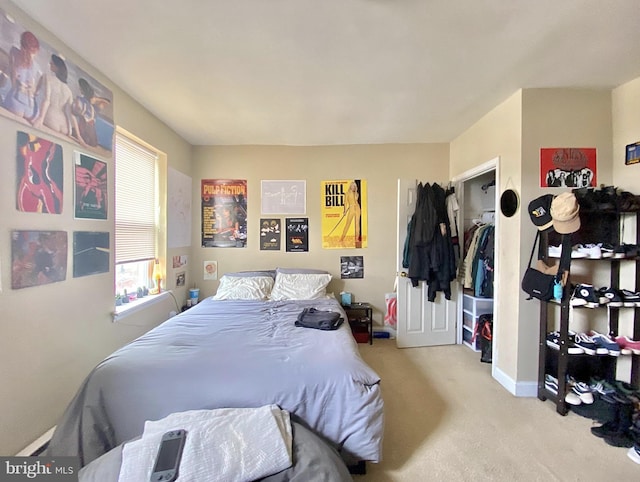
[90, 253]
[79, 108]
[90, 187]
[351, 267]
[568, 167]
[38, 258]
[270, 234]
[39, 175]
[297, 235]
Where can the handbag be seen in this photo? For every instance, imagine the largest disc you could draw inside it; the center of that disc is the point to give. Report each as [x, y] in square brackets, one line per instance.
[540, 285]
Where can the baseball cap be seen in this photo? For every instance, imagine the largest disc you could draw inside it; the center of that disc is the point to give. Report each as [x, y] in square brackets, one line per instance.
[565, 213]
[540, 212]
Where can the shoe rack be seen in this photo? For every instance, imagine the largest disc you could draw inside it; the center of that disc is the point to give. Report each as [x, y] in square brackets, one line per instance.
[597, 226]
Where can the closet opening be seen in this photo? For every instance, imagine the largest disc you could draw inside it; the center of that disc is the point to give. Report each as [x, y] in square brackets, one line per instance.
[478, 236]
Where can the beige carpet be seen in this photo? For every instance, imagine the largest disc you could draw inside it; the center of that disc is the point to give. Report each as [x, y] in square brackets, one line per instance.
[446, 419]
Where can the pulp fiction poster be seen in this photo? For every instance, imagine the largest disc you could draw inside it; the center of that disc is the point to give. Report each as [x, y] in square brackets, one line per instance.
[270, 234]
[344, 213]
[568, 167]
[39, 175]
[297, 235]
[224, 213]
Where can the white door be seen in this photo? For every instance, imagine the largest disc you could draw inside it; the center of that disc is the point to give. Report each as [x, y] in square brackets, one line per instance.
[420, 322]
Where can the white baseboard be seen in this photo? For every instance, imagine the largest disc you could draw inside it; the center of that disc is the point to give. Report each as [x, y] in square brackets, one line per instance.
[518, 389]
[37, 443]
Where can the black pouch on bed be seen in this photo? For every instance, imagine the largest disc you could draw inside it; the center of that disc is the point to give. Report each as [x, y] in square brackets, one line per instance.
[320, 320]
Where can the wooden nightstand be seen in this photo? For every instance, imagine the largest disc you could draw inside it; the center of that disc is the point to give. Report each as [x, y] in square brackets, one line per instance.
[360, 316]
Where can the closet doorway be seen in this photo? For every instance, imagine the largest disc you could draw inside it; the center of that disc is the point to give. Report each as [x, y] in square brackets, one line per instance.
[478, 194]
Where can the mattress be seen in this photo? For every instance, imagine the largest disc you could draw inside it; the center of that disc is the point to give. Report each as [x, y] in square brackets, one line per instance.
[230, 354]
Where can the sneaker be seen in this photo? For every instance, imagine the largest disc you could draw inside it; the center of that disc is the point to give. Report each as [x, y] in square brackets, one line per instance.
[629, 298]
[601, 387]
[605, 341]
[627, 343]
[583, 295]
[591, 251]
[606, 429]
[607, 250]
[556, 251]
[553, 341]
[634, 453]
[589, 345]
[610, 297]
[625, 251]
[551, 383]
[581, 389]
[572, 398]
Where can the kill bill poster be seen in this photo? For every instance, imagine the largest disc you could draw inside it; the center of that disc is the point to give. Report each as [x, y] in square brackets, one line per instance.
[567, 167]
[224, 213]
[344, 214]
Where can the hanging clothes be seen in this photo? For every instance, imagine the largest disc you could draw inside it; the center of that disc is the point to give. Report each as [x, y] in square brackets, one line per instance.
[429, 254]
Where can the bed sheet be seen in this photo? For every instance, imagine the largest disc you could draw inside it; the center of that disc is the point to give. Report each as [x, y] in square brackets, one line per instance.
[230, 354]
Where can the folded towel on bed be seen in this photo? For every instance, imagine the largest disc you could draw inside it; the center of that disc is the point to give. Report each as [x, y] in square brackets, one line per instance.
[321, 320]
[227, 444]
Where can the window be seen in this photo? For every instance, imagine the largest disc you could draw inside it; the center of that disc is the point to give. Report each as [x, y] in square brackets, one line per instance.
[136, 199]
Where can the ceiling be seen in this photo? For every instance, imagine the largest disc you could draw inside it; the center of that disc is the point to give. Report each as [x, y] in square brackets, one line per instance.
[309, 72]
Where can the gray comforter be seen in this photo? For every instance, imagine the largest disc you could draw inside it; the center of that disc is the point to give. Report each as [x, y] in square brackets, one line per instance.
[230, 354]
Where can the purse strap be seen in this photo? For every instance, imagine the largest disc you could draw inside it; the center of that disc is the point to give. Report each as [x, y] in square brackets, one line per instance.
[565, 256]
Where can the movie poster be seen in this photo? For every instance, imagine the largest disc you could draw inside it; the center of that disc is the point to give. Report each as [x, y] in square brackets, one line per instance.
[297, 235]
[90, 253]
[79, 108]
[270, 234]
[91, 187]
[224, 213]
[568, 167]
[38, 258]
[344, 214]
[39, 175]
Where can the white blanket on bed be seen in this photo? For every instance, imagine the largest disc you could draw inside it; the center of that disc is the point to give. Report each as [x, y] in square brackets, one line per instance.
[227, 444]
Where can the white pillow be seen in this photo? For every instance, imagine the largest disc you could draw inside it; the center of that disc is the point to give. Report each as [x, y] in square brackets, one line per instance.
[244, 288]
[300, 286]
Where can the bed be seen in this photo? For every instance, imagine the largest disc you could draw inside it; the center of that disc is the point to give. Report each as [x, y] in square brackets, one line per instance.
[231, 353]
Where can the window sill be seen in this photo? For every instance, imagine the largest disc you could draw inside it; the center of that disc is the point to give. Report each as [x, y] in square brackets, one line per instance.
[134, 306]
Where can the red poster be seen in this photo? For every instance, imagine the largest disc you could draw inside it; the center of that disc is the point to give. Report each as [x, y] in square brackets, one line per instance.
[567, 167]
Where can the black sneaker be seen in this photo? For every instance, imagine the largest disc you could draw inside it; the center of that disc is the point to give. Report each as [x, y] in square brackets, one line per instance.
[634, 453]
[610, 297]
[625, 251]
[629, 298]
[584, 295]
[607, 429]
[553, 341]
[589, 345]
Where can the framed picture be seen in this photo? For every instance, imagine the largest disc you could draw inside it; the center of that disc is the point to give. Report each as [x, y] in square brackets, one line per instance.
[90, 187]
[284, 197]
[632, 153]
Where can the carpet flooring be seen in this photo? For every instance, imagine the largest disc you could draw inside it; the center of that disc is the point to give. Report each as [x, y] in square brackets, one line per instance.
[447, 419]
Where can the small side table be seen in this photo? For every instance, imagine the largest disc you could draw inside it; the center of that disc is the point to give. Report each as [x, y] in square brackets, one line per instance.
[360, 316]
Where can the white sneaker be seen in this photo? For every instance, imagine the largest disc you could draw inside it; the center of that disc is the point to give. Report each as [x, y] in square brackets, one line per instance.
[556, 251]
[592, 251]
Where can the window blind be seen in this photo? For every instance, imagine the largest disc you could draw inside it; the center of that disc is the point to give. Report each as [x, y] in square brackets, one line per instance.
[135, 201]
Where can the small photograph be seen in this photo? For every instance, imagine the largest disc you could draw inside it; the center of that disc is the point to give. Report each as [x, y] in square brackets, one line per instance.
[180, 261]
[351, 267]
[90, 253]
[38, 258]
[181, 278]
[210, 270]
